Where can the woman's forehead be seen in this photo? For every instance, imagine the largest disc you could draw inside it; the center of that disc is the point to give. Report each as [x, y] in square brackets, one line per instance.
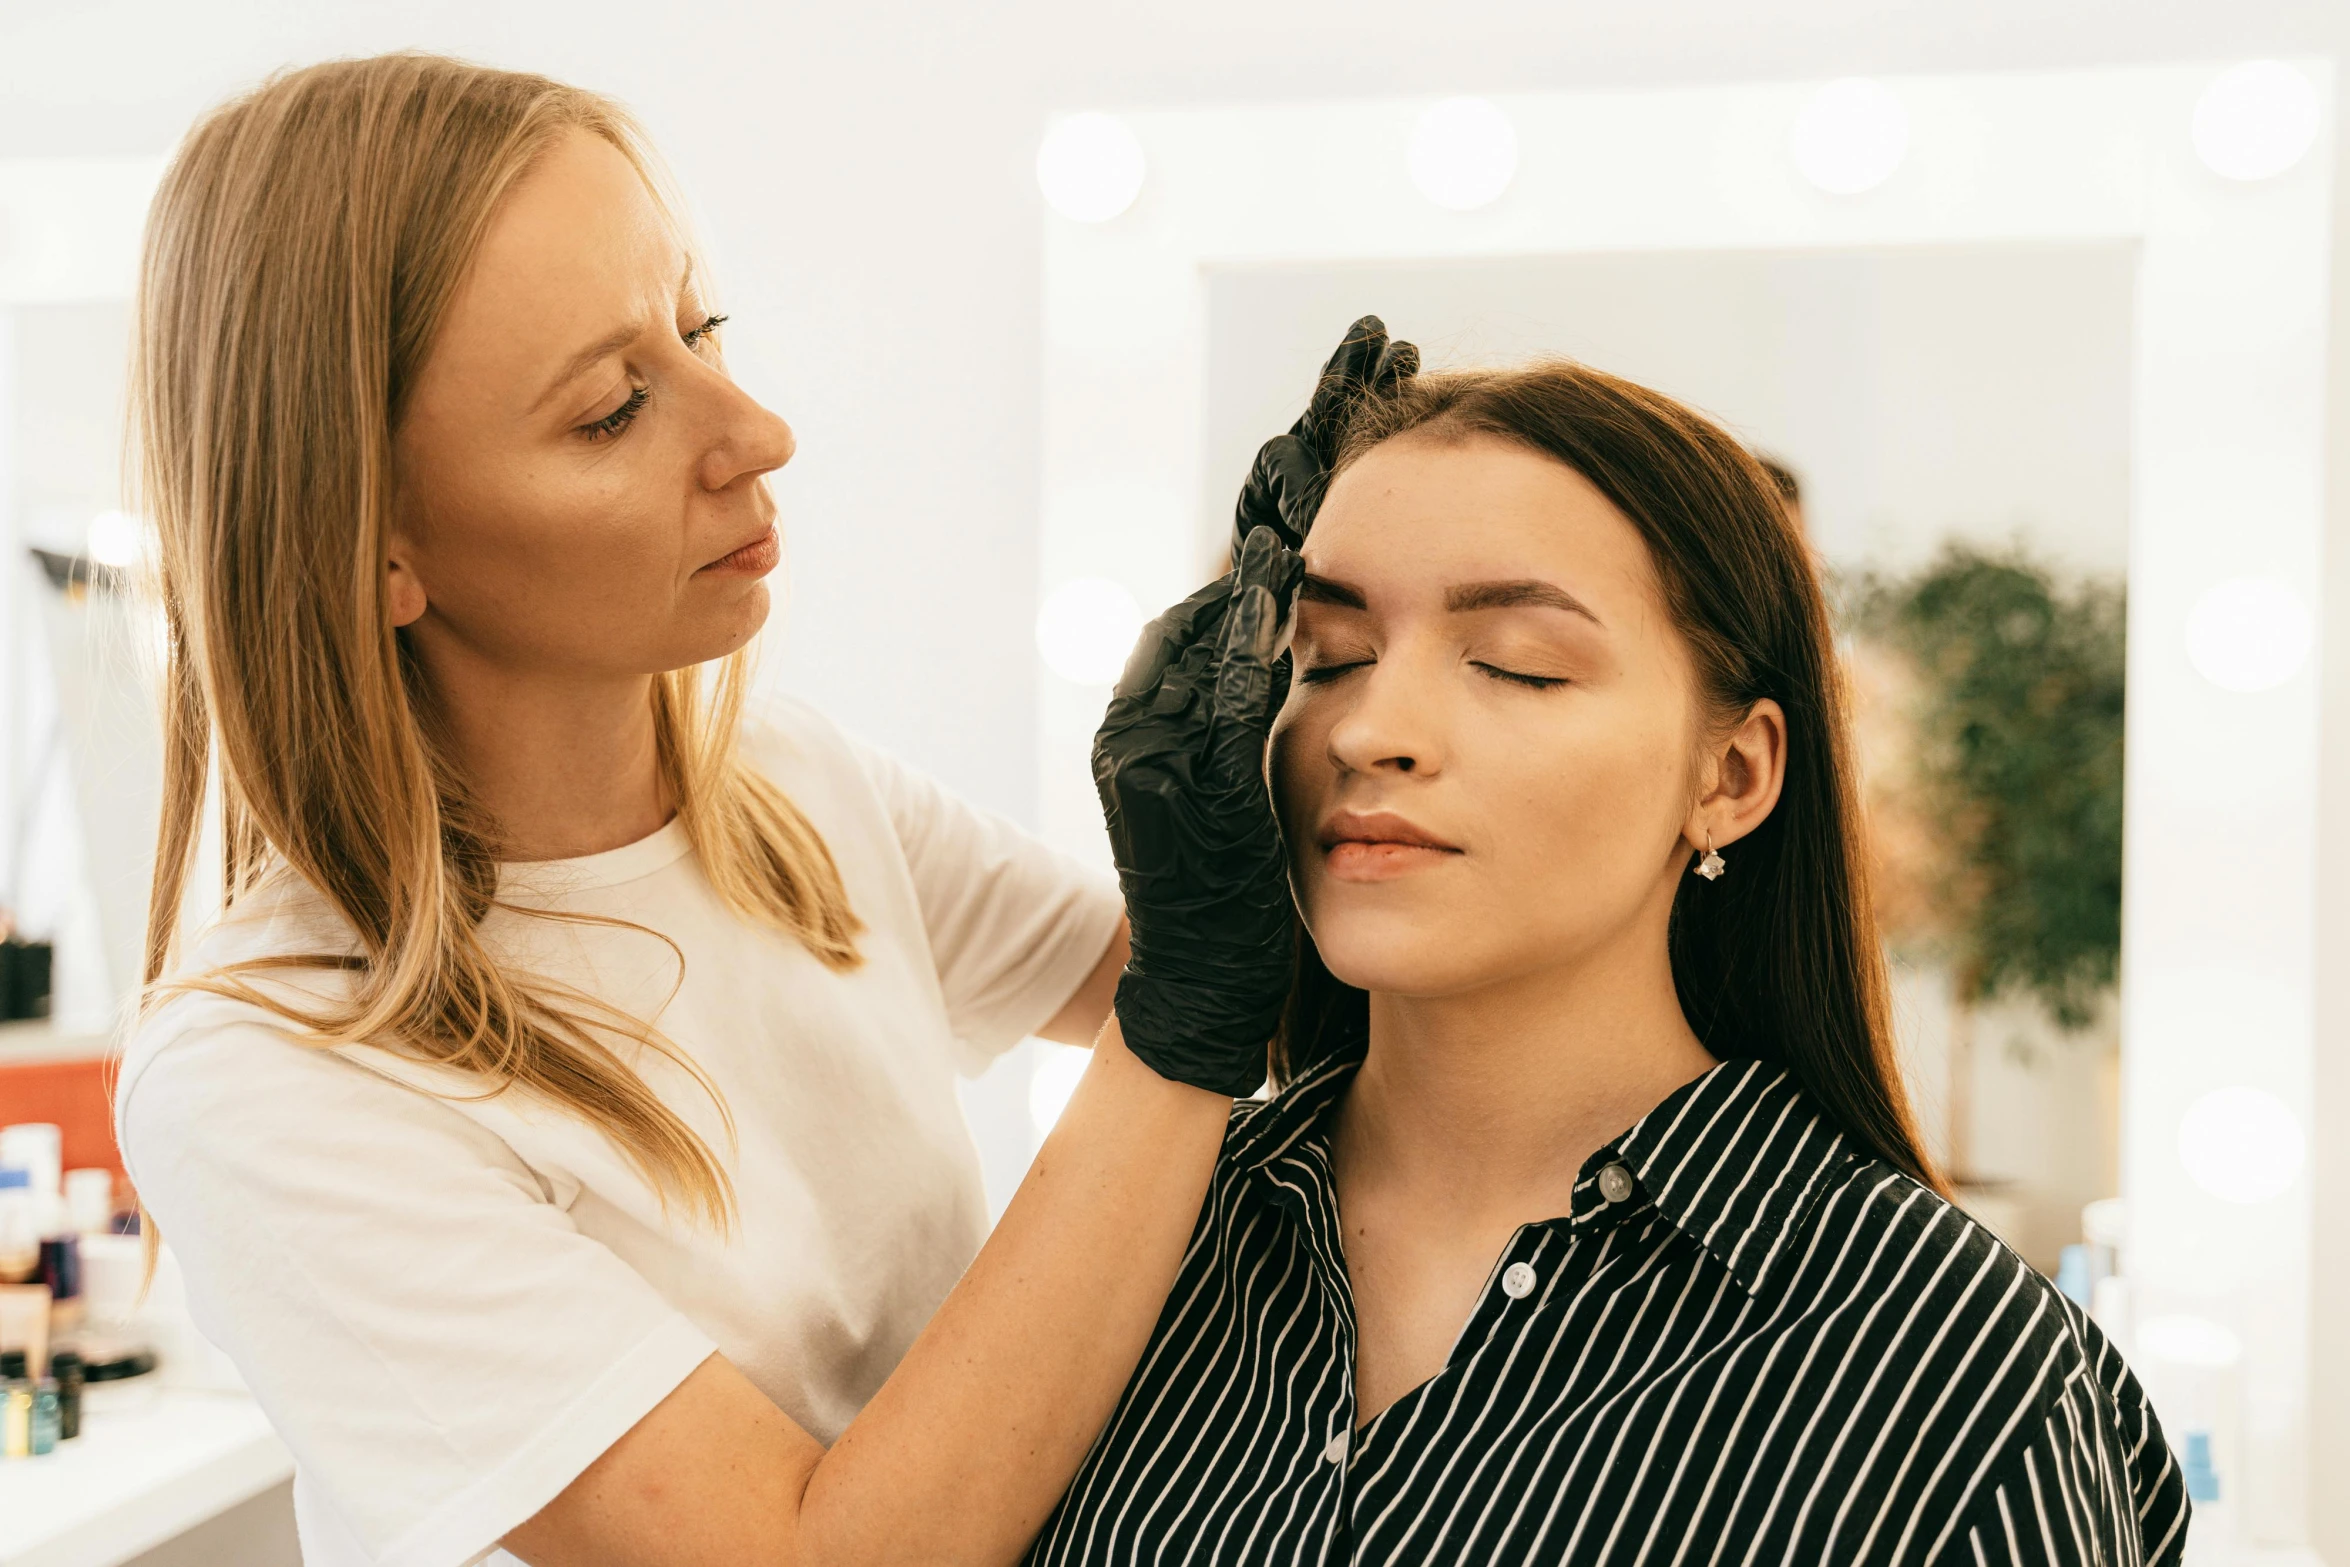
[1417, 514]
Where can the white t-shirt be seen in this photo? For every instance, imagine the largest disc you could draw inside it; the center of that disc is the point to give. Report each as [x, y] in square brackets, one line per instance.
[450, 1306]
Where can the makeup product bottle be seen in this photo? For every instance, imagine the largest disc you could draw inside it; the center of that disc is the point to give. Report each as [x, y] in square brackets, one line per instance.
[47, 1417]
[66, 1367]
[20, 1226]
[38, 1147]
[89, 1201]
[16, 1406]
[61, 1270]
[24, 1320]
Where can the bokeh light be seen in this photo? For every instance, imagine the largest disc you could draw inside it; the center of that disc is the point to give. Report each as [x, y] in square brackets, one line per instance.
[1464, 153]
[116, 538]
[2255, 120]
[2249, 634]
[1851, 136]
[1090, 167]
[1086, 629]
[2242, 1145]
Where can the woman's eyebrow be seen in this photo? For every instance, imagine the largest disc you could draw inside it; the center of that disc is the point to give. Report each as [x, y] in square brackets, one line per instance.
[610, 343]
[601, 349]
[1521, 592]
[1322, 590]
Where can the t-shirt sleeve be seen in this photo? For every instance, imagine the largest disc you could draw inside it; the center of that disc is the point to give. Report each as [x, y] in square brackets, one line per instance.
[437, 1343]
[1015, 926]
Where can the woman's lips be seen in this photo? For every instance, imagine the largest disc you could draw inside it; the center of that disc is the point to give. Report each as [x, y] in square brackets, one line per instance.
[754, 559]
[1354, 859]
[1379, 847]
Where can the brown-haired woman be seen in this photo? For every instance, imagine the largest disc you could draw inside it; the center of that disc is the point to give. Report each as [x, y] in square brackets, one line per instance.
[1590, 1224]
[558, 1128]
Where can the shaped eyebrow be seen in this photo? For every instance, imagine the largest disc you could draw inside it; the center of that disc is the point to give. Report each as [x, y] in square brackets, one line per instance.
[1322, 590]
[595, 353]
[1520, 593]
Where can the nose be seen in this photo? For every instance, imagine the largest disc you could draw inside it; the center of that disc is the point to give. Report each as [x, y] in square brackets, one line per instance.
[751, 439]
[1395, 722]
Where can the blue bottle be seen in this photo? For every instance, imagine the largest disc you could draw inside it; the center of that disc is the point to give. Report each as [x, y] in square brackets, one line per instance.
[48, 1417]
[2202, 1479]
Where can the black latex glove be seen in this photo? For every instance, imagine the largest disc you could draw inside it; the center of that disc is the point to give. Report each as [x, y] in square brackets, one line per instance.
[1180, 764]
[1285, 484]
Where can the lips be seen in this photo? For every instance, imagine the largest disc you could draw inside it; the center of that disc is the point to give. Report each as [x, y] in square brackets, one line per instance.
[754, 559]
[1379, 845]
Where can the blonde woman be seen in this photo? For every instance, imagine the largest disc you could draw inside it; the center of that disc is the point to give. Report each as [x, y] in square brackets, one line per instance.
[557, 1126]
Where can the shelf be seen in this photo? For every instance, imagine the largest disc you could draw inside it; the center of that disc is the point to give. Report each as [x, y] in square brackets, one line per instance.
[136, 1477]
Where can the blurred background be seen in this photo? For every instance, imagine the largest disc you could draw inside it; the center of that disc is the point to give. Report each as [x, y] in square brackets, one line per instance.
[2030, 301]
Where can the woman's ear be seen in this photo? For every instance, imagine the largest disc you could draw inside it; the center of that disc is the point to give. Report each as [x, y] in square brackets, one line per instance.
[1744, 775]
[404, 588]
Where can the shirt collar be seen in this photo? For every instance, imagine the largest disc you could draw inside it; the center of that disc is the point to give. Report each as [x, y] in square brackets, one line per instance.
[1734, 1159]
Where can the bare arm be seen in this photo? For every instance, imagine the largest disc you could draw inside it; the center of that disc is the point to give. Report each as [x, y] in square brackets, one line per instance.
[1088, 1008]
[962, 1454]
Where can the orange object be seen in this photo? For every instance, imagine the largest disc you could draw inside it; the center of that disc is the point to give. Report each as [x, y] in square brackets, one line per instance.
[74, 1095]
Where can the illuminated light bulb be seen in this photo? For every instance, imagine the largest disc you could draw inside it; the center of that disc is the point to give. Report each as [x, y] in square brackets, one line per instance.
[2189, 1341]
[1851, 136]
[116, 538]
[2242, 1145]
[1464, 153]
[2249, 634]
[1090, 167]
[1051, 1084]
[2255, 120]
[1086, 629]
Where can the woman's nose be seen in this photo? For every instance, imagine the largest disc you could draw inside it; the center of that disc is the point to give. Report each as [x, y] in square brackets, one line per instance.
[1394, 724]
[753, 440]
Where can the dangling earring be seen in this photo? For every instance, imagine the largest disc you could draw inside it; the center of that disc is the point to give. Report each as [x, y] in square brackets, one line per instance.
[1711, 867]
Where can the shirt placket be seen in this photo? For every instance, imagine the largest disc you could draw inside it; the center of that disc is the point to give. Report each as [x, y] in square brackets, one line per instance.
[1301, 1184]
[1538, 1270]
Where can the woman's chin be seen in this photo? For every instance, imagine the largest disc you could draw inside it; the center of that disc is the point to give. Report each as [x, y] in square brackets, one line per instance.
[729, 628]
[1395, 957]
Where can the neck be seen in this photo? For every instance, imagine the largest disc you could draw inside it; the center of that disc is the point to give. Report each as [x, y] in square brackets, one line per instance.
[563, 766]
[1493, 1099]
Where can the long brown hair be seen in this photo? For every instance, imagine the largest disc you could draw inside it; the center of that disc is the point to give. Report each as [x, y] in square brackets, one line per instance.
[1778, 961]
[300, 254]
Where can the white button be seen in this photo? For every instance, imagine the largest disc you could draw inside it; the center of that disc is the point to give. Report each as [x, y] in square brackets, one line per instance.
[1336, 1451]
[1517, 1281]
[1615, 1183]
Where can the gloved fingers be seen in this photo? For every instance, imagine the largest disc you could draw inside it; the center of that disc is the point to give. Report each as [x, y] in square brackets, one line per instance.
[1263, 587]
[1345, 377]
[1283, 491]
[1166, 639]
[1398, 364]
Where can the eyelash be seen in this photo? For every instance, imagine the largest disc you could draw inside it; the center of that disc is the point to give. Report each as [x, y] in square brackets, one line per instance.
[619, 418]
[1536, 682]
[694, 338]
[1327, 672]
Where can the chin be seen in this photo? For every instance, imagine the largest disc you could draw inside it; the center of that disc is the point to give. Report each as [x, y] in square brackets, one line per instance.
[728, 629]
[1398, 954]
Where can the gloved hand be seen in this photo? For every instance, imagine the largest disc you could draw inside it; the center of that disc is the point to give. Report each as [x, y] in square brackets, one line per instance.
[1180, 765]
[1285, 484]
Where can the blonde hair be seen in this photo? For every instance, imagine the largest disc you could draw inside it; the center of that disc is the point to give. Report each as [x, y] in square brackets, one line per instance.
[301, 252]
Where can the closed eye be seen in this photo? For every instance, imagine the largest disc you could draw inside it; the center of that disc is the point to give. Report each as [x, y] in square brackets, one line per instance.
[1535, 682]
[1326, 672]
[694, 338]
[619, 418]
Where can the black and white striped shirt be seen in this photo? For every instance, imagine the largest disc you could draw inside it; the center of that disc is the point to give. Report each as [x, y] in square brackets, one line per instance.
[1747, 1343]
